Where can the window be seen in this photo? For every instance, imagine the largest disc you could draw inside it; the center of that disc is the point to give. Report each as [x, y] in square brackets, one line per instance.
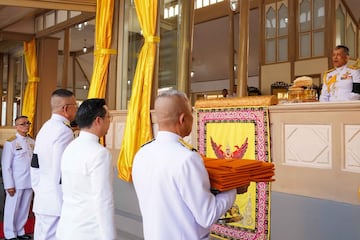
[345, 29]
[276, 32]
[204, 3]
[311, 27]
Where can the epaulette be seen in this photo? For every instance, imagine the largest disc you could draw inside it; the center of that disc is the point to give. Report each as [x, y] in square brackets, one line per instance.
[354, 67]
[187, 145]
[148, 142]
[10, 139]
[67, 124]
[330, 70]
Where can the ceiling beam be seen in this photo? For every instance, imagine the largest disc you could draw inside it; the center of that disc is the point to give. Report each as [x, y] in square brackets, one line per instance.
[67, 24]
[15, 36]
[72, 5]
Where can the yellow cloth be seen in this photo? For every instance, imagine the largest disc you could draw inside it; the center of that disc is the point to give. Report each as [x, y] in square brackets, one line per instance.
[103, 35]
[138, 128]
[29, 103]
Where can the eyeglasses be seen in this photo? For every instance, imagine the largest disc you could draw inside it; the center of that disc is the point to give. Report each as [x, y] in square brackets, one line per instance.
[71, 104]
[24, 124]
[109, 117]
[74, 104]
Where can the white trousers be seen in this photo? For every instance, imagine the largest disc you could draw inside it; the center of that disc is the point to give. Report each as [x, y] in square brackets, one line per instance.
[45, 227]
[16, 212]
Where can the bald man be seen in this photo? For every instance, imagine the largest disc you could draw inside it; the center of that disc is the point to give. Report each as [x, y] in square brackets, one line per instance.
[50, 144]
[170, 180]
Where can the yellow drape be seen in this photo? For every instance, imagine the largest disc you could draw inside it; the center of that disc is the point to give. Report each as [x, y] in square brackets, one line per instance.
[138, 124]
[29, 101]
[103, 33]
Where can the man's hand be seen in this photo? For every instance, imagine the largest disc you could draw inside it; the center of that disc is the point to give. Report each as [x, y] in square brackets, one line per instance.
[242, 189]
[11, 191]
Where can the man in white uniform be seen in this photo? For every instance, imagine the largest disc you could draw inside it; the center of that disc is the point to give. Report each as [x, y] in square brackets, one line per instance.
[171, 181]
[87, 179]
[341, 83]
[15, 163]
[50, 144]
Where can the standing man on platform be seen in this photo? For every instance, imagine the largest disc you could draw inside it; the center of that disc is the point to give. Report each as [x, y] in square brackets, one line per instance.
[341, 83]
[87, 179]
[50, 144]
[171, 181]
[15, 163]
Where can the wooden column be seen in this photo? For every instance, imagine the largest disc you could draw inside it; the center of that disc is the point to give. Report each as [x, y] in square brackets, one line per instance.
[243, 48]
[185, 45]
[1, 83]
[65, 70]
[231, 53]
[10, 91]
[112, 80]
[47, 66]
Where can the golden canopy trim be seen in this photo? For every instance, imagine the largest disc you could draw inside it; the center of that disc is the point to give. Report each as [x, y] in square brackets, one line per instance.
[238, 101]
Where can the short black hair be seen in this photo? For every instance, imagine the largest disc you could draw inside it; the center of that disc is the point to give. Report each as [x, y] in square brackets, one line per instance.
[61, 92]
[344, 48]
[19, 117]
[89, 110]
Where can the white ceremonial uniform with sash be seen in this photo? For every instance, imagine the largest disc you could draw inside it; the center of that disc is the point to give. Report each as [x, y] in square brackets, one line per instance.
[15, 163]
[338, 84]
[50, 144]
[87, 182]
[173, 189]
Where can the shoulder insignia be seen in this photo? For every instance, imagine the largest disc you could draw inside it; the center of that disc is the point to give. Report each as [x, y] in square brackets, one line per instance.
[67, 124]
[354, 67]
[330, 70]
[148, 142]
[10, 139]
[29, 136]
[187, 145]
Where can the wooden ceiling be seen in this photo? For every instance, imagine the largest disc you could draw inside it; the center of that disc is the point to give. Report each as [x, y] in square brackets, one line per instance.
[17, 18]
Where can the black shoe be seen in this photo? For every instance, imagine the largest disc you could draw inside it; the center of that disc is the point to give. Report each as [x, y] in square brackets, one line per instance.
[24, 237]
[10, 238]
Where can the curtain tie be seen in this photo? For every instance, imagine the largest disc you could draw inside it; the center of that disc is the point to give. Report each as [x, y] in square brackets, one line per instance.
[152, 39]
[105, 51]
[33, 79]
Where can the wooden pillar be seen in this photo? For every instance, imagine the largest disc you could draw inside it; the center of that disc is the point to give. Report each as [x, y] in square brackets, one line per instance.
[65, 69]
[10, 91]
[185, 45]
[231, 52]
[243, 48]
[155, 80]
[1, 83]
[112, 81]
[47, 66]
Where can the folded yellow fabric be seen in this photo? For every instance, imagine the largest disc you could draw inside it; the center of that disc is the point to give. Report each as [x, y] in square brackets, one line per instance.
[226, 174]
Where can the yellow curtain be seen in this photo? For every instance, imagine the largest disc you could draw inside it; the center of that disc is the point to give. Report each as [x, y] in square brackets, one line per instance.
[103, 33]
[29, 101]
[138, 124]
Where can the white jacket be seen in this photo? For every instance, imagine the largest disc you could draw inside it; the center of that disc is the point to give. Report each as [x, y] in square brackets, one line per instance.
[50, 144]
[15, 162]
[87, 182]
[173, 189]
